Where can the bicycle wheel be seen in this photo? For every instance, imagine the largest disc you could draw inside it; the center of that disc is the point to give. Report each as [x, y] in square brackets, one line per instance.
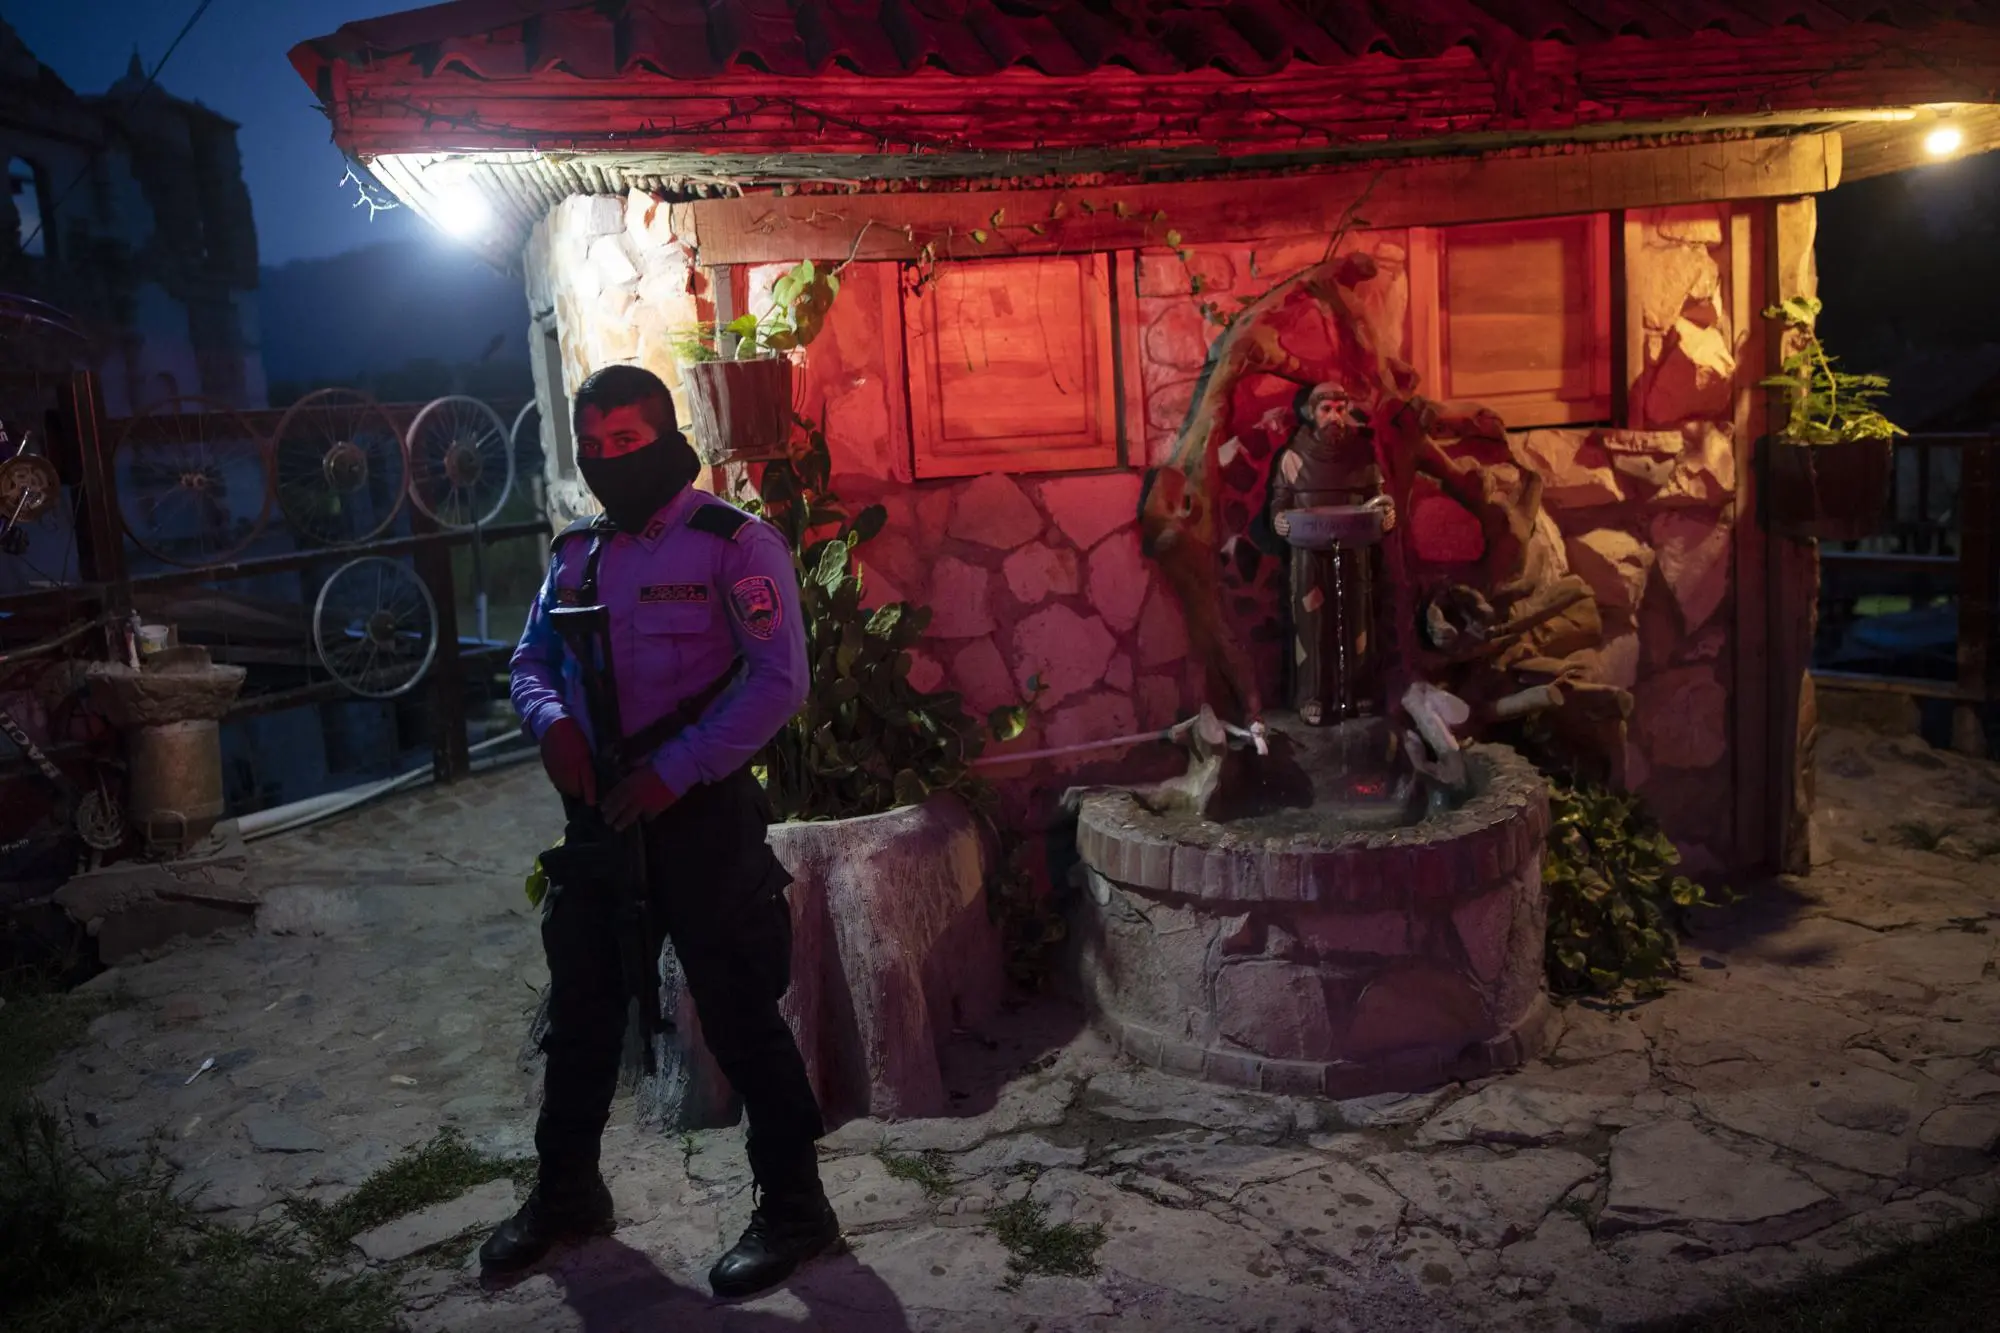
[461, 462]
[375, 627]
[340, 469]
[193, 480]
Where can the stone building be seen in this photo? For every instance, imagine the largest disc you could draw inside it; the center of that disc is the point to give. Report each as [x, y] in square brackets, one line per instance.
[128, 211]
[1047, 212]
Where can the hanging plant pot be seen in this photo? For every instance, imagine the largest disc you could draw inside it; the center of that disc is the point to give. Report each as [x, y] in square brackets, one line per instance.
[1830, 492]
[740, 411]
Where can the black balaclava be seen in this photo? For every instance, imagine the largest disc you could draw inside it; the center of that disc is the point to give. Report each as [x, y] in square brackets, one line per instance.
[633, 487]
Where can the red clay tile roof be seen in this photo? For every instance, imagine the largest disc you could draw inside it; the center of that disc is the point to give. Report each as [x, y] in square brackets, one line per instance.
[710, 39]
[1068, 86]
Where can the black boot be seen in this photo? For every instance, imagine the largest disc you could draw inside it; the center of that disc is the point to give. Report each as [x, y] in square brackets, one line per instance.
[784, 1232]
[548, 1216]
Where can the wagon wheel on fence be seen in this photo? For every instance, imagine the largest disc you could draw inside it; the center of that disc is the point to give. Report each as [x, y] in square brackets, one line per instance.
[193, 481]
[341, 470]
[530, 463]
[526, 435]
[461, 462]
[375, 627]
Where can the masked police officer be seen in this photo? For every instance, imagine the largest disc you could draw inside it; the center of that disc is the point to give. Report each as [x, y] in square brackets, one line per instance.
[704, 618]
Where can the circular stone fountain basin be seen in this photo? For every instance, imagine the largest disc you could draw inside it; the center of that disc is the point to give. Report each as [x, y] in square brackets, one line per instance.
[1320, 958]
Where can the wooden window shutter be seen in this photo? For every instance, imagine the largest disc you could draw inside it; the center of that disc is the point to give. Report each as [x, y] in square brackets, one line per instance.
[1013, 367]
[1516, 316]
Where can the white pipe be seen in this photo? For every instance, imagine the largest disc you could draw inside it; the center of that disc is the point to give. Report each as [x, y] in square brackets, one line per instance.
[1025, 756]
[284, 818]
[1254, 733]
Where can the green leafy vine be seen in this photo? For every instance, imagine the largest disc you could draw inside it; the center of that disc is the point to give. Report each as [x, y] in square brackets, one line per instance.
[1617, 903]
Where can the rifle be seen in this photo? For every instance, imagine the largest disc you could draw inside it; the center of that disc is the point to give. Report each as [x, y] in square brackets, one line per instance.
[593, 852]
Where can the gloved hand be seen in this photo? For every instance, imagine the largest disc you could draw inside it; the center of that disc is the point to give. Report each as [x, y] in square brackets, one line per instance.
[642, 795]
[567, 760]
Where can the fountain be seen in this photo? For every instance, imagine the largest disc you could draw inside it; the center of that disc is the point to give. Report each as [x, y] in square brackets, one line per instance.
[1344, 898]
[1320, 928]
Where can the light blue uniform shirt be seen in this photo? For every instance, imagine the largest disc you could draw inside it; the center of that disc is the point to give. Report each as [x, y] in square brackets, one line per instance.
[683, 604]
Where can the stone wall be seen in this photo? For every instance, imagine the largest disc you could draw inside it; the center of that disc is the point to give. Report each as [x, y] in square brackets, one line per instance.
[1042, 576]
[612, 279]
[1034, 577]
[1646, 516]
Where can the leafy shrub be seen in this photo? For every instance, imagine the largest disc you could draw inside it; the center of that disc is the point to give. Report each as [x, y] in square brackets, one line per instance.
[867, 740]
[1616, 903]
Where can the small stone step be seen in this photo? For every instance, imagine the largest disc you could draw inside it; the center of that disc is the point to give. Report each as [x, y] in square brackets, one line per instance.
[485, 1206]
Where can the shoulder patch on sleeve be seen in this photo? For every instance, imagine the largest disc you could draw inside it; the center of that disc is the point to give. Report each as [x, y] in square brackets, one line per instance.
[757, 605]
[719, 520]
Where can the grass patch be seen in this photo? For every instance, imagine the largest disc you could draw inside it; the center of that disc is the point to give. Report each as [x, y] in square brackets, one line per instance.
[932, 1170]
[37, 1024]
[436, 1171]
[1576, 1208]
[85, 1248]
[1947, 1283]
[1918, 834]
[89, 1248]
[1882, 604]
[1035, 1245]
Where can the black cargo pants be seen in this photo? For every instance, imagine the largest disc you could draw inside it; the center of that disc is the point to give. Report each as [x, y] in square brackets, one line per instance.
[718, 891]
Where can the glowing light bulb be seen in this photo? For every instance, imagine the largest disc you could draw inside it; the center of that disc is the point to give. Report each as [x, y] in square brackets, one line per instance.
[1944, 141]
[462, 212]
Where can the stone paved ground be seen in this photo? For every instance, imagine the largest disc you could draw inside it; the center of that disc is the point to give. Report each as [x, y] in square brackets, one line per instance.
[1826, 1080]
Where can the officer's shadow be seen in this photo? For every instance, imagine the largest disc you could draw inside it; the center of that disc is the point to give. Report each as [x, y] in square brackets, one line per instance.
[615, 1288]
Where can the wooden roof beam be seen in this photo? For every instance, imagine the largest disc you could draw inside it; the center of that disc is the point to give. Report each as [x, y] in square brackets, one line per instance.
[782, 228]
[1877, 150]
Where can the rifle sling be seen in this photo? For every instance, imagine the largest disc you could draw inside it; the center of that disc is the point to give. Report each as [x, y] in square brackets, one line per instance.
[634, 749]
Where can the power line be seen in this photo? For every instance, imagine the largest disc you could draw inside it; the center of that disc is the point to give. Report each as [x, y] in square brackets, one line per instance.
[49, 212]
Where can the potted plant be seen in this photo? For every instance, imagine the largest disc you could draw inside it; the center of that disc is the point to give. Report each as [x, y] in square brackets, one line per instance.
[1826, 469]
[740, 400]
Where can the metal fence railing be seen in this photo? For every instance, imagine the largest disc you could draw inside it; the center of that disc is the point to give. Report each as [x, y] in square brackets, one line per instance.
[338, 550]
[1910, 610]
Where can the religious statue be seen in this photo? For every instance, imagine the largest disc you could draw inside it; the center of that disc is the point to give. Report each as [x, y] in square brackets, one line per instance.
[1327, 505]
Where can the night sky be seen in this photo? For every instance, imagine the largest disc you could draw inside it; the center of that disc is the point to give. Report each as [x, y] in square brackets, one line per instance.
[233, 61]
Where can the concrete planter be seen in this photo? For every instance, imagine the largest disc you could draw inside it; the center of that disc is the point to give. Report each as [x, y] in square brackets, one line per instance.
[892, 948]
